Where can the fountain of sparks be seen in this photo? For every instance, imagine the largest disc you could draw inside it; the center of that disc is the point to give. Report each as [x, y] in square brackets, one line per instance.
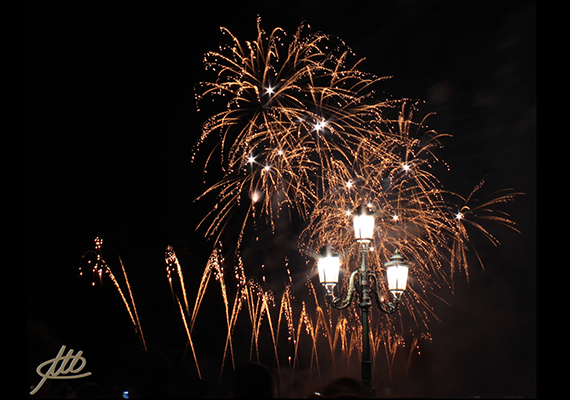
[100, 269]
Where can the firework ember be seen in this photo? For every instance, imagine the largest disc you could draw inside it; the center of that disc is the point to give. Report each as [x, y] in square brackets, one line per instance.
[303, 133]
[100, 268]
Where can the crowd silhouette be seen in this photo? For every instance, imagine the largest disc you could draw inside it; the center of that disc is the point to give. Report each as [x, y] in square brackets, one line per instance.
[151, 374]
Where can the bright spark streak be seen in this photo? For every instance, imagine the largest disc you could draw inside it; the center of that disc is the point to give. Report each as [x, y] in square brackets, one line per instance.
[320, 125]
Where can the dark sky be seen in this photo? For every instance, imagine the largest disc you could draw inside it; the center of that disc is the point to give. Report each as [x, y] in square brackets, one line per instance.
[111, 124]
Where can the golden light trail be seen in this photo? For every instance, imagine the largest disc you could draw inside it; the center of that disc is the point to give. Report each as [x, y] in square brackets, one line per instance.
[138, 324]
[100, 268]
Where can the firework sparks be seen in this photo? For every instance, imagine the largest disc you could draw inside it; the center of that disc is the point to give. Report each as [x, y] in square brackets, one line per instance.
[275, 136]
[101, 268]
[173, 266]
[302, 130]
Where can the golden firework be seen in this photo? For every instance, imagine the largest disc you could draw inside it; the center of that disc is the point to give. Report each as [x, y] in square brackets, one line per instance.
[302, 132]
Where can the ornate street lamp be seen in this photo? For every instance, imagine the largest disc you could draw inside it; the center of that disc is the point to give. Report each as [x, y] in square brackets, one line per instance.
[364, 282]
[329, 268]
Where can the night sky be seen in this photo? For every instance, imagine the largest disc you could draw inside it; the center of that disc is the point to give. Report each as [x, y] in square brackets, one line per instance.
[111, 121]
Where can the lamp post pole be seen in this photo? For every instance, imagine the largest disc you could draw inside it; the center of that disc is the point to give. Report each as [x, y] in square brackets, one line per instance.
[365, 283]
[365, 304]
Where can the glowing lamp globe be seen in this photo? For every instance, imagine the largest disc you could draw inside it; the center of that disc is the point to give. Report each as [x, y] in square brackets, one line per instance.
[397, 275]
[329, 268]
[363, 228]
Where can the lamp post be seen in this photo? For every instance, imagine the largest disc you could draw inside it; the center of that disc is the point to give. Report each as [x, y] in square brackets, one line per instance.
[364, 282]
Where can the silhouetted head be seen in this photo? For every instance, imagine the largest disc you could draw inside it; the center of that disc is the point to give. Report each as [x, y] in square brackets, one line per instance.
[253, 381]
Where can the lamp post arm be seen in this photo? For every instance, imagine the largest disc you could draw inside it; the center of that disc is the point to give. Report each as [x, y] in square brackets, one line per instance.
[337, 302]
[386, 306]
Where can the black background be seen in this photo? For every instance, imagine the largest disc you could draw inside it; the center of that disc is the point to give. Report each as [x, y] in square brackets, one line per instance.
[111, 125]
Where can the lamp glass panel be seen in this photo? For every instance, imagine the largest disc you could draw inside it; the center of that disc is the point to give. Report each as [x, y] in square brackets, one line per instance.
[397, 276]
[329, 268]
[363, 227]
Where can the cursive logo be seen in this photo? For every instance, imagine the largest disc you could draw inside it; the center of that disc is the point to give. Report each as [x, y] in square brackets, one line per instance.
[52, 373]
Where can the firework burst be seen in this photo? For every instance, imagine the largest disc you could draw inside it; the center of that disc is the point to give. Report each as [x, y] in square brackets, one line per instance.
[292, 113]
[302, 132]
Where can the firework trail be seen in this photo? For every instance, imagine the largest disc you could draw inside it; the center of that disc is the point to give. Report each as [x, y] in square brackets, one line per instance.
[174, 269]
[138, 324]
[100, 268]
[188, 334]
[173, 266]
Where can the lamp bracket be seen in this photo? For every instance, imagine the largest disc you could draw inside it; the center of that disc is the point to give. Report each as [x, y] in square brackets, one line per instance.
[354, 286]
[337, 302]
[388, 307]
